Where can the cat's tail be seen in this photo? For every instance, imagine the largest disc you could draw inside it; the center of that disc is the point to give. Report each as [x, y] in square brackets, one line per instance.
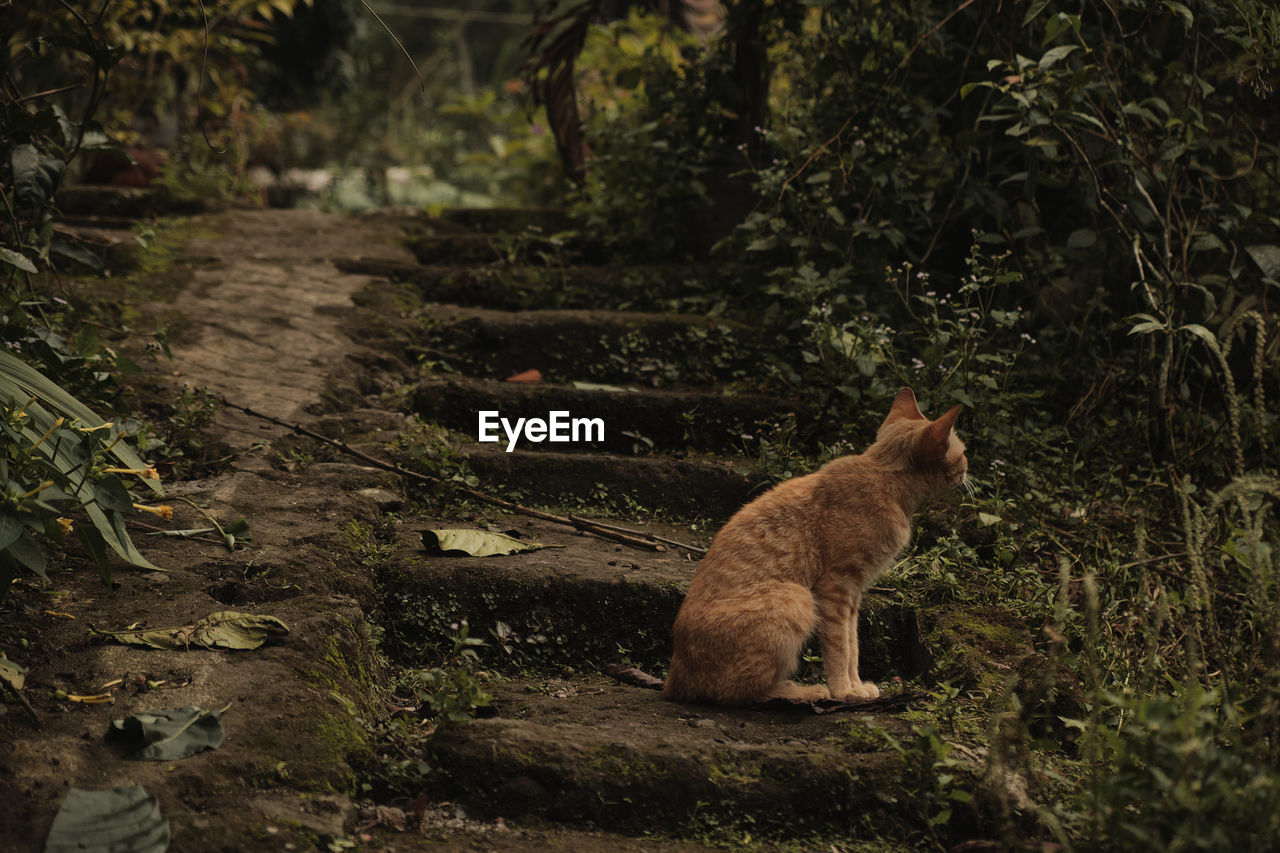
[631, 675]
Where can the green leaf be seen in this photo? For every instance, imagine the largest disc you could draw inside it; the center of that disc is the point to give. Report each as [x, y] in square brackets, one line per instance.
[1054, 55]
[92, 540]
[170, 734]
[987, 519]
[77, 253]
[1267, 257]
[1036, 8]
[1188, 19]
[1207, 243]
[16, 259]
[27, 551]
[1201, 332]
[226, 629]
[1082, 238]
[19, 380]
[474, 543]
[111, 494]
[10, 529]
[119, 820]
[111, 526]
[35, 176]
[15, 675]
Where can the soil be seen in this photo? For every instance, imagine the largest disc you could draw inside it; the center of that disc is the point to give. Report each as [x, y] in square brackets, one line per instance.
[291, 313]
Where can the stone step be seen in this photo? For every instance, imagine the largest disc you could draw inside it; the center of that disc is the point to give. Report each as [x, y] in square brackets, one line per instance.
[461, 248]
[600, 346]
[657, 419]
[581, 604]
[588, 751]
[123, 202]
[680, 488]
[508, 220]
[513, 288]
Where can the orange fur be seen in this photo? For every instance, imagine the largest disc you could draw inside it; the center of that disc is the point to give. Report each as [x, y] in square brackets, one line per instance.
[797, 560]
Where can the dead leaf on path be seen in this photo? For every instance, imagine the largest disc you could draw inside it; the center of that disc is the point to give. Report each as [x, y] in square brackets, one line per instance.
[121, 820]
[15, 676]
[169, 734]
[526, 376]
[475, 543]
[226, 629]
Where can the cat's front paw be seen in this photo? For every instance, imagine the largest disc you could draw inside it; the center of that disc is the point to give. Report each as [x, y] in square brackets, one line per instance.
[861, 691]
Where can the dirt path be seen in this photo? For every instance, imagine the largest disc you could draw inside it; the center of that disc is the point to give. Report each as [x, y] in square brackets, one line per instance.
[292, 313]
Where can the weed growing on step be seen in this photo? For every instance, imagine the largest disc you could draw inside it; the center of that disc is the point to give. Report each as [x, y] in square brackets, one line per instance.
[428, 449]
[176, 437]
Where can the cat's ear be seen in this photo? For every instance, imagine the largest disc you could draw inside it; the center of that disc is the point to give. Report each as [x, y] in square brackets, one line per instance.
[905, 406]
[937, 436]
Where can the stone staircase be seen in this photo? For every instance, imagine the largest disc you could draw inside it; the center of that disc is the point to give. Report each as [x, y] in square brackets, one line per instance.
[564, 745]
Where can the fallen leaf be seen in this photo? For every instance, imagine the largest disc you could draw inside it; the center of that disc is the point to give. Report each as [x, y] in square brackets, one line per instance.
[169, 734]
[596, 386]
[526, 376]
[225, 629]
[474, 543]
[120, 820]
[10, 672]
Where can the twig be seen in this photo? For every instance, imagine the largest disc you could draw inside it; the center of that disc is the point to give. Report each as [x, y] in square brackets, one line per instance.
[665, 541]
[22, 700]
[630, 675]
[634, 538]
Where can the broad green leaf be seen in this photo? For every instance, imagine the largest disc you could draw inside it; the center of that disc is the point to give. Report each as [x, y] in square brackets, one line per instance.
[226, 629]
[474, 543]
[987, 519]
[110, 494]
[1035, 9]
[35, 176]
[170, 734]
[1054, 55]
[1188, 19]
[1207, 243]
[111, 526]
[1267, 257]
[76, 252]
[10, 529]
[27, 551]
[1082, 238]
[94, 542]
[1201, 332]
[16, 259]
[119, 820]
[12, 673]
[19, 381]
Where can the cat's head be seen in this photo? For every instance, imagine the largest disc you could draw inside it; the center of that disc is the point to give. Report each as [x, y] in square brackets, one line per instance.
[916, 442]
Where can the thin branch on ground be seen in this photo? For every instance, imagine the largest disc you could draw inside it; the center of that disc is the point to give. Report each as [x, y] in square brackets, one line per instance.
[634, 538]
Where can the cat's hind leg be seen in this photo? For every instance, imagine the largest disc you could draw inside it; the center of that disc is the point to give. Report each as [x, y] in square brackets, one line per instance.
[790, 618]
[741, 649]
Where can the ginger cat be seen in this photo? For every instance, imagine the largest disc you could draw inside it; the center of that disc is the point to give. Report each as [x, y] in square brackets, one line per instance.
[797, 560]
